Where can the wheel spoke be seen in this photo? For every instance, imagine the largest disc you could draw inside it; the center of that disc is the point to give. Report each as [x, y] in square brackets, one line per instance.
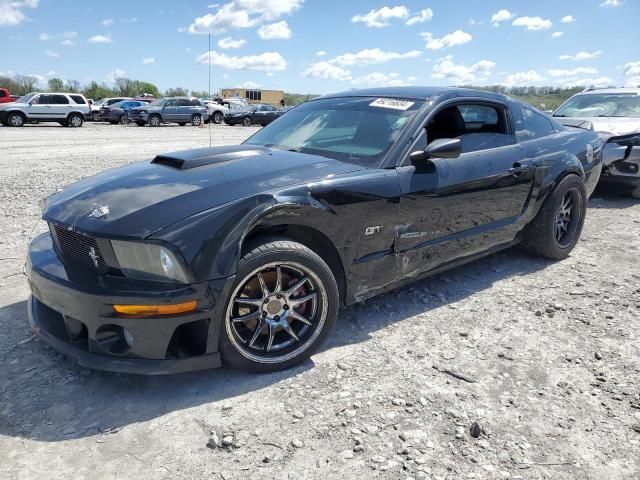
[305, 298]
[256, 332]
[256, 302]
[296, 287]
[296, 316]
[272, 334]
[278, 287]
[287, 328]
[249, 316]
[263, 285]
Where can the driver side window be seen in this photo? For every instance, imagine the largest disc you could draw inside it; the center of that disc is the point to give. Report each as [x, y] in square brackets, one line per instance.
[478, 126]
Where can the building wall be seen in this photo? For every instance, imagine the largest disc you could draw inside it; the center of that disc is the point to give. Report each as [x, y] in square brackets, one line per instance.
[273, 97]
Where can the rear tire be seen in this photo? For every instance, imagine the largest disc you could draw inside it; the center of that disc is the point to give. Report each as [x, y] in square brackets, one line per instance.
[557, 227]
[306, 293]
[217, 118]
[74, 120]
[95, 116]
[196, 120]
[15, 119]
[124, 119]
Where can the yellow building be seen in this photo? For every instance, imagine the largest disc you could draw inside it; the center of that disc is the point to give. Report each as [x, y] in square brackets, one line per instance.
[273, 97]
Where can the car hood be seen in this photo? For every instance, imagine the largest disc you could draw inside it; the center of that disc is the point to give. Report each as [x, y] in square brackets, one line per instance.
[14, 104]
[608, 127]
[142, 198]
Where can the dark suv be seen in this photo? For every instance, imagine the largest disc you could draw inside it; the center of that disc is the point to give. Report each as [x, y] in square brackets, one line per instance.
[180, 110]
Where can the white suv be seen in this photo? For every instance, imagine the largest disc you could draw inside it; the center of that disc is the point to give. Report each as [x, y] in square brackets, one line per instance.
[68, 109]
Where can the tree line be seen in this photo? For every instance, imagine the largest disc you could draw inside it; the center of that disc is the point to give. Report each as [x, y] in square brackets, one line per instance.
[122, 87]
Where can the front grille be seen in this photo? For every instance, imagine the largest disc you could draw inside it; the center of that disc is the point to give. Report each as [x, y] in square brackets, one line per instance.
[78, 248]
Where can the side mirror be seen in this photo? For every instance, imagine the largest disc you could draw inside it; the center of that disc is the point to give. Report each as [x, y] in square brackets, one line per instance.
[440, 148]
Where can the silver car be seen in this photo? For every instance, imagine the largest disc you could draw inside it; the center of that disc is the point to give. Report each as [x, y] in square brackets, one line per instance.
[615, 114]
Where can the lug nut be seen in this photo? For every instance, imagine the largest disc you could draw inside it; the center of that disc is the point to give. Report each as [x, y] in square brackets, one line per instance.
[286, 307]
[276, 318]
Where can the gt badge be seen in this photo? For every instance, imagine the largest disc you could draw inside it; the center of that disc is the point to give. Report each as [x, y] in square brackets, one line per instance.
[372, 230]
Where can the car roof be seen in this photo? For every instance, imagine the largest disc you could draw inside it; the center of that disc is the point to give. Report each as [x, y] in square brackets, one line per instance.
[417, 93]
[595, 91]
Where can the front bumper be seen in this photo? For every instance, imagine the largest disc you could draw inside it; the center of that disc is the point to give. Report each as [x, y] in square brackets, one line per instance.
[138, 117]
[621, 167]
[72, 312]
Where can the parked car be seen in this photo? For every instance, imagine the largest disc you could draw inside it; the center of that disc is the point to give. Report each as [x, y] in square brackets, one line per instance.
[615, 114]
[216, 111]
[105, 102]
[119, 111]
[180, 110]
[68, 109]
[245, 253]
[256, 114]
[5, 96]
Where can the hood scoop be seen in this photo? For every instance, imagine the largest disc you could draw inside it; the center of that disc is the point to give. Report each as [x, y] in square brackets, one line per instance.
[200, 157]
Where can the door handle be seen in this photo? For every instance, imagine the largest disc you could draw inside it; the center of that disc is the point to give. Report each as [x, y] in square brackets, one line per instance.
[518, 169]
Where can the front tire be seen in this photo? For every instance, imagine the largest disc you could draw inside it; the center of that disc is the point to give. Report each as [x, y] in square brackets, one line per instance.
[95, 116]
[15, 120]
[557, 227]
[217, 118]
[282, 306]
[246, 121]
[155, 121]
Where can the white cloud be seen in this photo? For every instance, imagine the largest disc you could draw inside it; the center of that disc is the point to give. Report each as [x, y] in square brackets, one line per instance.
[11, 11]
[574, 72]
[567, 19]
[502, 16]
[107, 22]
[449, 40]
[249, 84]
[382, 17]
[275, 31]
[581, 56]
[590, 82]
[227, 43]
[117, 73]
[321, 53]
[557, 34]
[68, 43]
[459, 73]
[533, 23]
[100, 39]
[264, 62]
[51, 53]
[243, 14]
[423, 16]
[530, 77]
[148, 60]
[327, 71]
[371, 56]
[67, 37]
[632, 72]
[382, 80]
[611, 3]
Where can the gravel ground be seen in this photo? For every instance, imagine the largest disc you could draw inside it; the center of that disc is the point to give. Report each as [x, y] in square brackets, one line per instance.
[543, 356]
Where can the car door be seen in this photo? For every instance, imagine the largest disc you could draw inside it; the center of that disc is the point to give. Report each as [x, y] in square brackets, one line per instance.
[60, 106]
[457, 207]
[39, 108]
[170, 111]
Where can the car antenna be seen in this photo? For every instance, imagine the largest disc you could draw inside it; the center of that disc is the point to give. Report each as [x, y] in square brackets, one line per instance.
[209, 62]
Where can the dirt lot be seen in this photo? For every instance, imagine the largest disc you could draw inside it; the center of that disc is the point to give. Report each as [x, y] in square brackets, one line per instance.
[544, 356]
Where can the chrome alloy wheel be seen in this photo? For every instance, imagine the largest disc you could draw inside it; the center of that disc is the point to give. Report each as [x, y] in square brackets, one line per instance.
[276, 312]
[567, 219]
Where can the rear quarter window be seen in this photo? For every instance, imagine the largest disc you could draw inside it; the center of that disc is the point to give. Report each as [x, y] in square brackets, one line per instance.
[78, 99]
[532, 125]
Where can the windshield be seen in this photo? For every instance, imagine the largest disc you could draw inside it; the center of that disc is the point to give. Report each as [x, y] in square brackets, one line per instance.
[601, 105]
[158, 102]
[353, 129]
[26, 98]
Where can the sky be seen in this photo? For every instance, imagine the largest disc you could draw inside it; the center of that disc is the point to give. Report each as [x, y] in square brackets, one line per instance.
[320, 46]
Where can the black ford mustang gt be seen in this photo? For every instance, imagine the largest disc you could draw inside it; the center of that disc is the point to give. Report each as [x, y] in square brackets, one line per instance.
[245, 253]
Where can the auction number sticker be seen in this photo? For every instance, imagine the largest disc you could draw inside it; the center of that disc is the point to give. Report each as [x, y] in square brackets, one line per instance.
[393, 103]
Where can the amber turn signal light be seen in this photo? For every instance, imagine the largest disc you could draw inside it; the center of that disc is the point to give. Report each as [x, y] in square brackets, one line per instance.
[153, 310]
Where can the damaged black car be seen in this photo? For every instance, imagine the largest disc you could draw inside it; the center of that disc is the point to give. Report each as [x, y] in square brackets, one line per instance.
[244, 254]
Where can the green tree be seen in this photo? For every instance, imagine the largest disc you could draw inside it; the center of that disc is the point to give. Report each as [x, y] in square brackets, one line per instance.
[25, 84]
[10, 84]
[97, 91]
[55, 84]
[72, 86]
[176, 92]
[146, 87]
[200, 93]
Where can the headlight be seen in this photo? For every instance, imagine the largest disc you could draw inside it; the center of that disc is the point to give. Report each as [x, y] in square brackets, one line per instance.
[2, 109]
[147, 261]
[142, 111]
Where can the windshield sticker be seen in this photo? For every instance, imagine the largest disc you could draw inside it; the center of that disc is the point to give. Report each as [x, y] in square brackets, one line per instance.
[393, 103]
